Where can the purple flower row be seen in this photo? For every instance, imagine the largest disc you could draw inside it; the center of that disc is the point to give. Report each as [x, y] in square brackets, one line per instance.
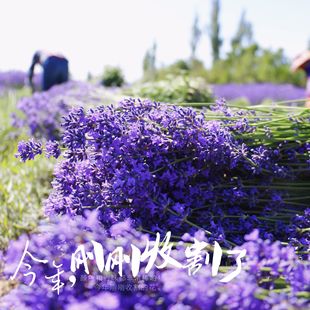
[12, 79]
[43, 112]
[257, 93]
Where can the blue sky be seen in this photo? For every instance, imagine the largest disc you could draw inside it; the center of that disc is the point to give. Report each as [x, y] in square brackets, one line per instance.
[95, 33]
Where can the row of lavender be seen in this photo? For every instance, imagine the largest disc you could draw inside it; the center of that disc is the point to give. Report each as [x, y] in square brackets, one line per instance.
[42, 113]
[16, 79]
[254, 93]
[11, 79]
[257, 93]
[220, 174]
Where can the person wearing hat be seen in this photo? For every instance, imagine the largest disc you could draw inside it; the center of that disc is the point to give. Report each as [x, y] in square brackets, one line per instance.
[302, 62]
[55, 69]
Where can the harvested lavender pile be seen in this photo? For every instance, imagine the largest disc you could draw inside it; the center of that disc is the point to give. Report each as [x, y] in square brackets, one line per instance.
[167, 167]
[233, 175]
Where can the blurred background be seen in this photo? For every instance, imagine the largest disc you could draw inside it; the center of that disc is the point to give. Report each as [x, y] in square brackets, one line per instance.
[168, 35]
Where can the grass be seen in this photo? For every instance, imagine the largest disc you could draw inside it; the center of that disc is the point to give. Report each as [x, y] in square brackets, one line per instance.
[23, 186]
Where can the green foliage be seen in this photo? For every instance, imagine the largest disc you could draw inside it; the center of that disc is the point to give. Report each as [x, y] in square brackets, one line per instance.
[113, 76]
[190, 68]
[197, 69]
[254, 64]
[173, 89]
[246, 62]
[178, 68]
[249, 64]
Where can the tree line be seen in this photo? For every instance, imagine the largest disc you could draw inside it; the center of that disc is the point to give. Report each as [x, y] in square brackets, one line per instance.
[245, 62]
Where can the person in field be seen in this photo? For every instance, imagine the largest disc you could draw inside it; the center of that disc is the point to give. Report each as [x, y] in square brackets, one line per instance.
[302, 62]
[55, 69]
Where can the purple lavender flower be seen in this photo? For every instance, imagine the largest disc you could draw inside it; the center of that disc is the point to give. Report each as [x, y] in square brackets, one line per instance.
[27, 150]
[52, 149]
[166, 288]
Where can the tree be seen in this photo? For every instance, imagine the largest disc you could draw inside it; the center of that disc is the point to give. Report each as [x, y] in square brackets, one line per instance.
[149, 62]
[254, 64]
[216, 41]
[196, 35]
[89, 76]
[243, 36]
[113, 76]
